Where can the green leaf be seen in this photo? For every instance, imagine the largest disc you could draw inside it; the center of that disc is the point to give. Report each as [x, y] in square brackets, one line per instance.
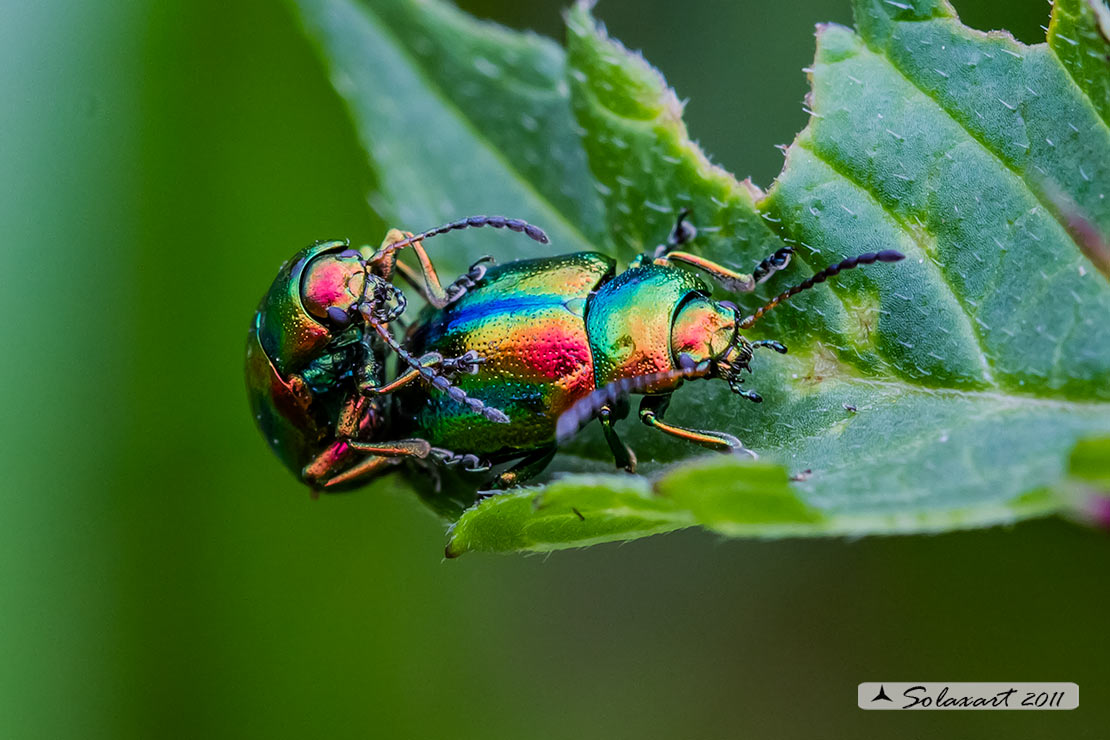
[724, 494]
[576, 511]
[946, 391]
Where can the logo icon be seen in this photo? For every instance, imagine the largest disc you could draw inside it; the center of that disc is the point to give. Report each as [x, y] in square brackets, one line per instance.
[882, 694]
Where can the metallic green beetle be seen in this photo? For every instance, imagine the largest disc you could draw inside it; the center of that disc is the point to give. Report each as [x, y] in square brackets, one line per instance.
[502, 365]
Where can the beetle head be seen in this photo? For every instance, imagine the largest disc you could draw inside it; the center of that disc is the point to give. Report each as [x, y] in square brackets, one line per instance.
[333, 284]
[707, 332]
[703, 330]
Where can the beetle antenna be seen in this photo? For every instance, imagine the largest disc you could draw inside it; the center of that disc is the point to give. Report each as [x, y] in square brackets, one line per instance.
[431, 376]
[587, 407]
[887, 255]
[497, 222]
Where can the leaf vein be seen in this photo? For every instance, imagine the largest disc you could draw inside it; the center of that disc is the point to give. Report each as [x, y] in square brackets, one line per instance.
[941, 277]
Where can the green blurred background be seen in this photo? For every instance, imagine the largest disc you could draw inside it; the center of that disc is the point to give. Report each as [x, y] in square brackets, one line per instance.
[161, 575]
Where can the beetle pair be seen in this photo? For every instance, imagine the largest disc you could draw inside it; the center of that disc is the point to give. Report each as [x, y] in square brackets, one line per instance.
[502, 365]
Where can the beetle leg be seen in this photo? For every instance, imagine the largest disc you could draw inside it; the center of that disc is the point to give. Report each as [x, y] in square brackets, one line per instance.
[350, 416]
[380, 455]
[347, 426]
[413, 278]
[467, 362]
[441, 297]
[369, 389]
[651, 413]
[463, 283]
[623, 455]
[750, 395]
[426, 279]
[401, 448]
[527, 467]
[735, 282]
[730, 280]
[435, 379]
[734, 383]
[682, 233]
[363, 470]
[317, 470]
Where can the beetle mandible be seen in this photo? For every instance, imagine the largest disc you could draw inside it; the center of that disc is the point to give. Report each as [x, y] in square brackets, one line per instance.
[505, 363]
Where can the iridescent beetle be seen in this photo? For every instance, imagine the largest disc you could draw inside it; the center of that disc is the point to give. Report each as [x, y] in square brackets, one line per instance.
[502, 365]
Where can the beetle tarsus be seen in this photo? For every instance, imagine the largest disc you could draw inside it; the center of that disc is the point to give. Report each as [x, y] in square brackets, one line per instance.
[770, 344]
[742, 450]
[467, 462]
[683, 232]
[458, 289]
[768, 267]
[467, 363]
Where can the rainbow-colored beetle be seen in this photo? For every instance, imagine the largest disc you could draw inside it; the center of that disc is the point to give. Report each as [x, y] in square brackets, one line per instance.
[503, 364]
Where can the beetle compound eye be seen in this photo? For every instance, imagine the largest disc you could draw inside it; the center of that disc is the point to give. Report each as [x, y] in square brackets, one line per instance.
[338, 315]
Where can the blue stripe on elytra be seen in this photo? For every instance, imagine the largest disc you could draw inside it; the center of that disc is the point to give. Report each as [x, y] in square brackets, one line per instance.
[475, 312]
